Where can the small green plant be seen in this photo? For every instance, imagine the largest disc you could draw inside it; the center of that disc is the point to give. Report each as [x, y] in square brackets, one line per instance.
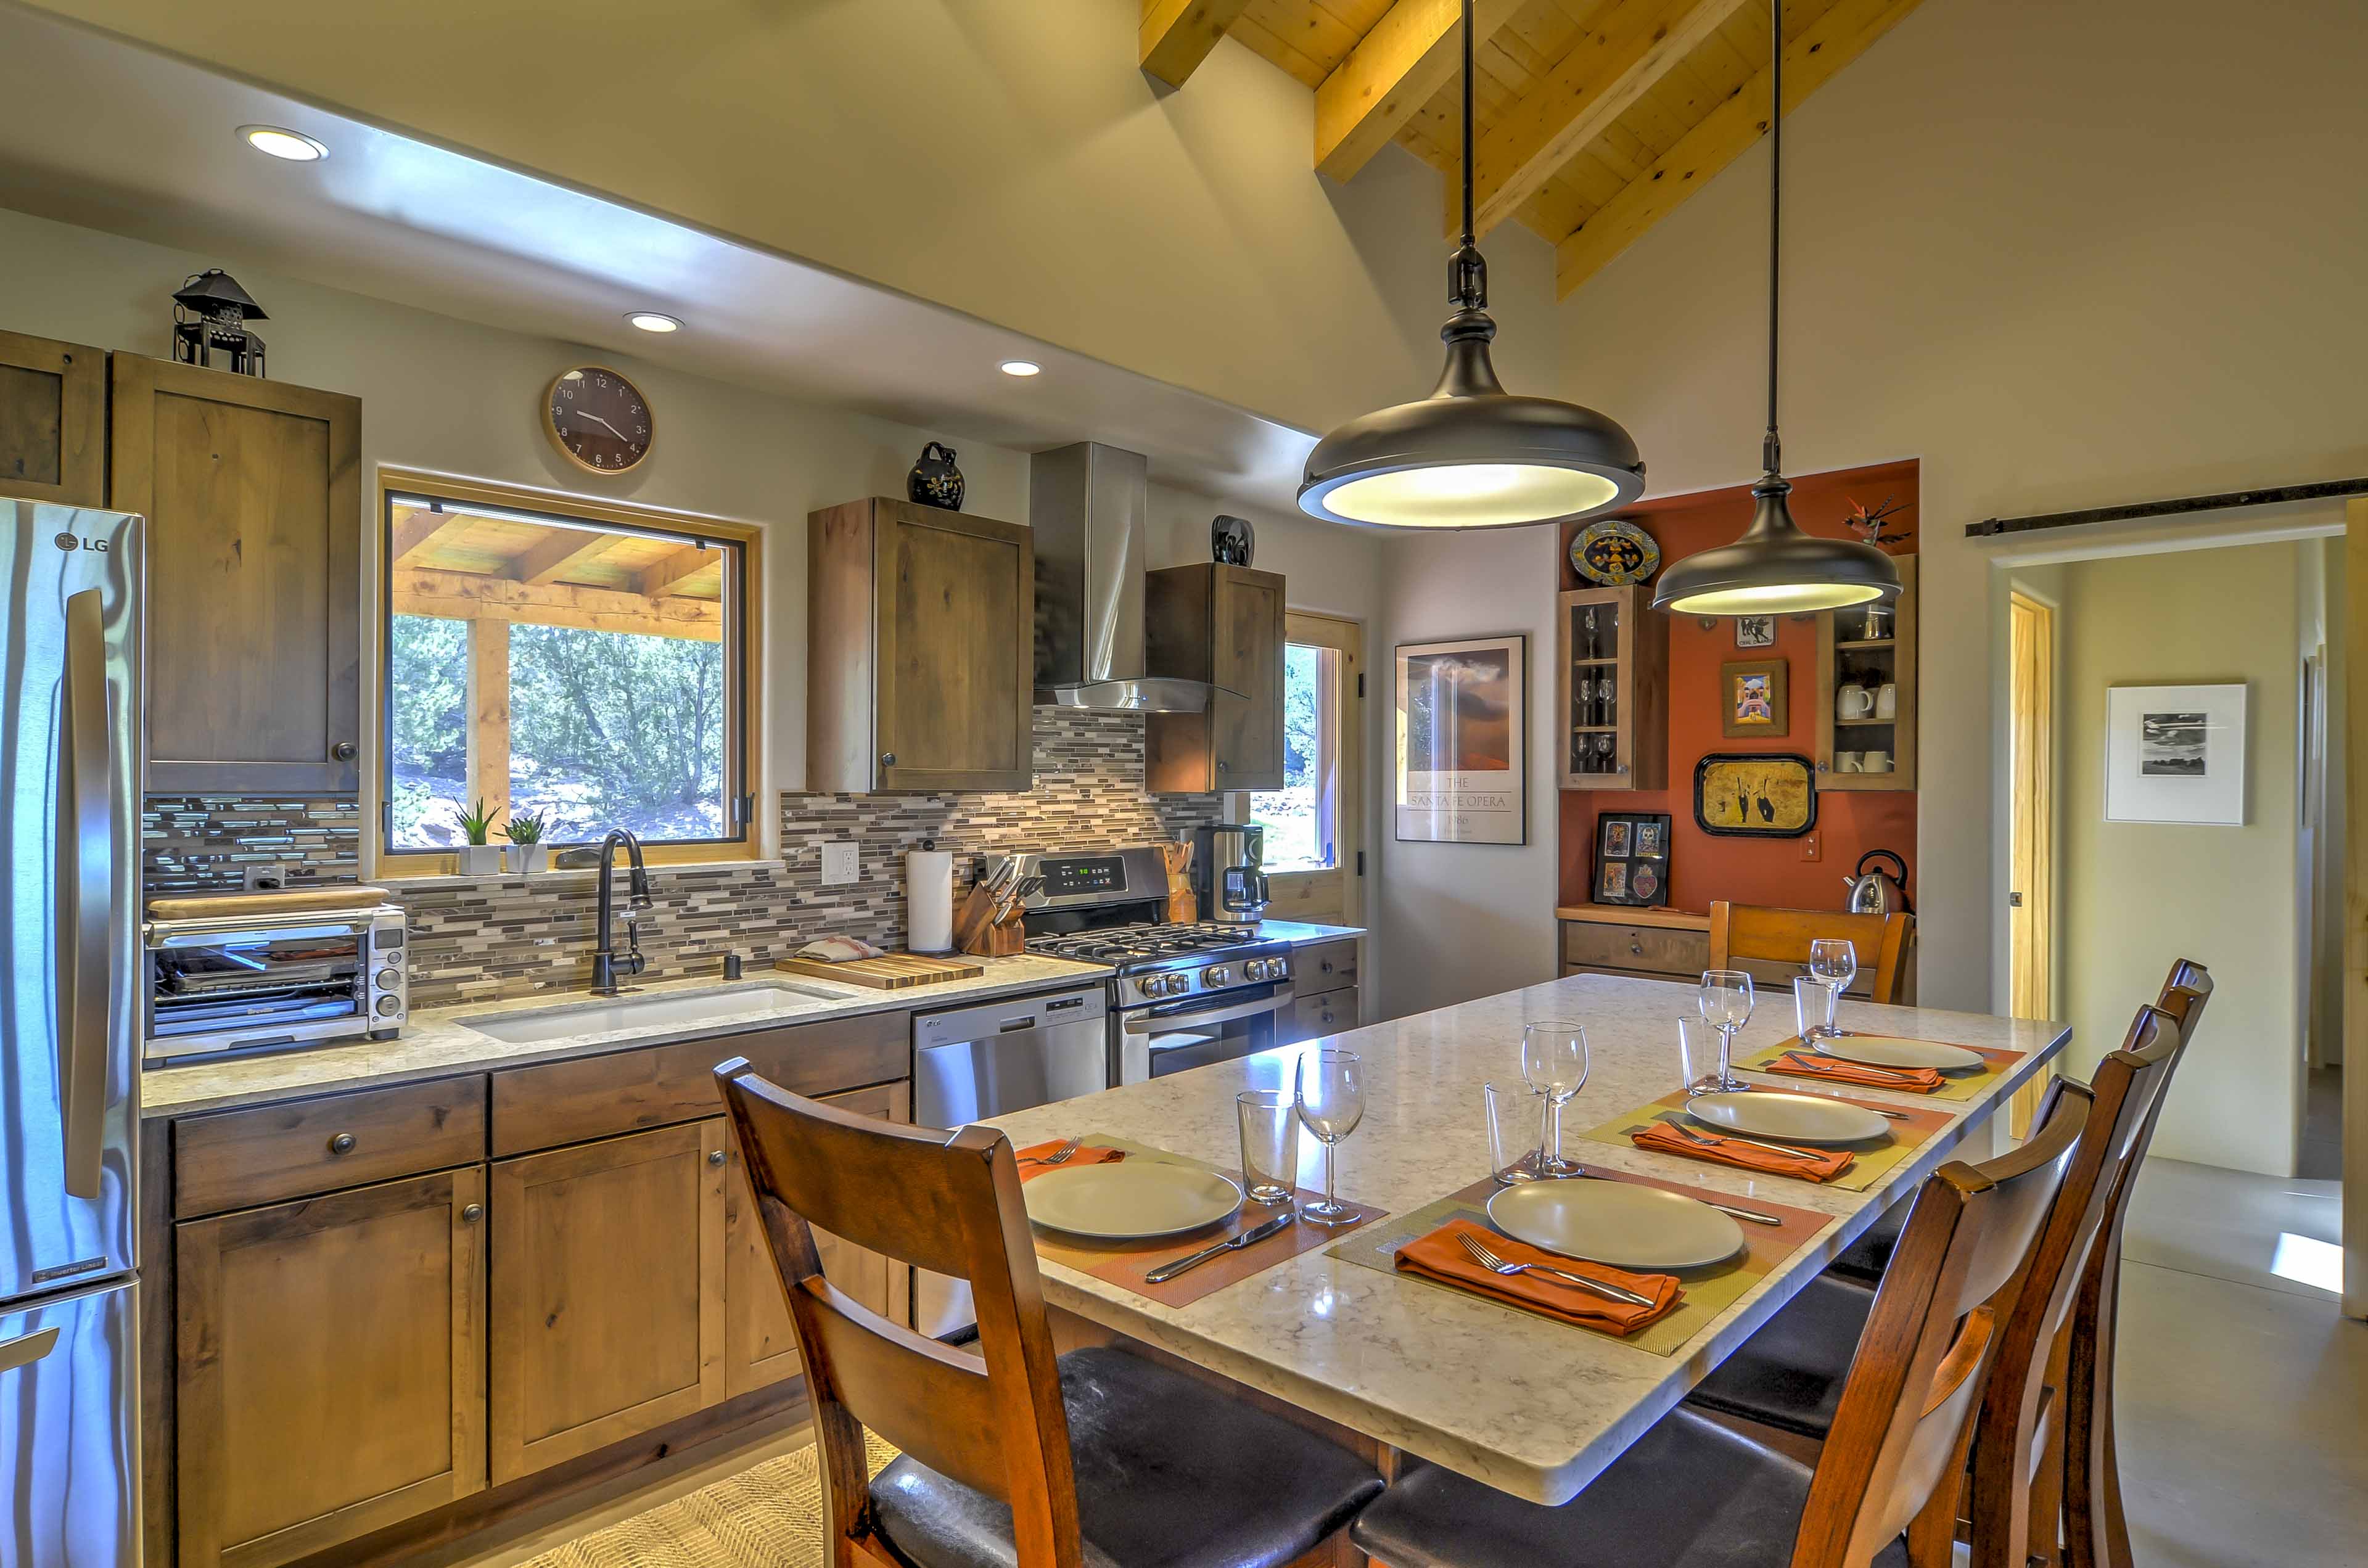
[526, 827]
[478, 821]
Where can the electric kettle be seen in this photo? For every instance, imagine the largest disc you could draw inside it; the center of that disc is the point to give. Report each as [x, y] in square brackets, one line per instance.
[1877, 892]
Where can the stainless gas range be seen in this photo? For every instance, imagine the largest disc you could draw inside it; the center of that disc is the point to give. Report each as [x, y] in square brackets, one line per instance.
[1184, 995]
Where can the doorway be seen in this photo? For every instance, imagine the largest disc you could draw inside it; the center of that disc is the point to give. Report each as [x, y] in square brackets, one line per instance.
[1315, 824]
[2030, 921]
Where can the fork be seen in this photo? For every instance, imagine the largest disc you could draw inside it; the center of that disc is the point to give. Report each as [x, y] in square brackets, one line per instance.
[1710, 1142]
[1061, 1156]
[1494, 1265]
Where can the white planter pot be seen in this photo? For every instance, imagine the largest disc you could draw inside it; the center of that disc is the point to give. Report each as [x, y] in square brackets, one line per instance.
[526, 859]
[481, 859]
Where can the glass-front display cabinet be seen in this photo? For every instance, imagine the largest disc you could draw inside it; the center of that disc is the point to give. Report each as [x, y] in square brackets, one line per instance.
[1866, 693]
[1612, 687]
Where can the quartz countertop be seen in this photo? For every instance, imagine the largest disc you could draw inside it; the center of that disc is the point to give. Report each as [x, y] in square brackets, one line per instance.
[1299, 933]
[1534, 1407]
[438, 1041]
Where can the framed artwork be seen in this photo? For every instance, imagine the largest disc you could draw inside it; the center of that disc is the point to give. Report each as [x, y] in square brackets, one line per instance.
[1755, 631]
[1632, 858]
[1741, 796]
[1754, 699]
[2175, 753]
[1462, 751]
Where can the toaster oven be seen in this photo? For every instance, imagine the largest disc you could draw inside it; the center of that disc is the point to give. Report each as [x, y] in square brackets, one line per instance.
[227, 982]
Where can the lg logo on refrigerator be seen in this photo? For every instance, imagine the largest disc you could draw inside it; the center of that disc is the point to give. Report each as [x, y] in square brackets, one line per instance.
[68, 541]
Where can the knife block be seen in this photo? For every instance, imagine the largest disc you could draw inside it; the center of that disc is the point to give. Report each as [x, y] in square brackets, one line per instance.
[979, 934]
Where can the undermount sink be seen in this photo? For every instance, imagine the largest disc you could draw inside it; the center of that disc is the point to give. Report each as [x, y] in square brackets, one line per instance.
[629, 1012]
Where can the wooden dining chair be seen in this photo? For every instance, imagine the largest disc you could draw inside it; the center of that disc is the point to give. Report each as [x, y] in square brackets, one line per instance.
[1782, 936]
[1696, 1492]
[1008, 1455]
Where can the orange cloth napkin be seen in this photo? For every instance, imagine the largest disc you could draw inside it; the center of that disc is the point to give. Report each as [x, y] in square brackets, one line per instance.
[1440, 1256]
[1820, 1165]
[1905, 1080]
[1031, 1158]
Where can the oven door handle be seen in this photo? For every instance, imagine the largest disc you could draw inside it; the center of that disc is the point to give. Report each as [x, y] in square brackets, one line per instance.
[1168, 1023]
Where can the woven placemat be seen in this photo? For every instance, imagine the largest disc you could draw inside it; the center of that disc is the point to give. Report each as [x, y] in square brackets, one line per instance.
[1876, 1157]
[1969, 1083]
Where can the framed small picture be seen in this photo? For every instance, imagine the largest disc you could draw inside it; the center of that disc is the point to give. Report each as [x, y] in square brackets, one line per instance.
[1632, 858]
[1644, 882]
[1755, 631]
[2175, 753]
[1653, 840]
[1756, 700]
[1616, 835]
[1613, 886]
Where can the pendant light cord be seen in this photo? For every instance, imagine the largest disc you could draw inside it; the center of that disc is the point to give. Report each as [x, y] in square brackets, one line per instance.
[1469, 237]
[1467, 274]
[1770, 450]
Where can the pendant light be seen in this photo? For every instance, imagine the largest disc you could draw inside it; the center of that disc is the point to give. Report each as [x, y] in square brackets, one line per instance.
[1471, 455]
[1775, 569]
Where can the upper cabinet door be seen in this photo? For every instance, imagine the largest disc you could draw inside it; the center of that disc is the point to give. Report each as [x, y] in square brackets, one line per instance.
[52, 421]
[252, 494]
[1222, 625]
[921, 641]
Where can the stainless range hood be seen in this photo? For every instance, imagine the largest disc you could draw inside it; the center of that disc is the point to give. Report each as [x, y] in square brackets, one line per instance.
[1086, 503]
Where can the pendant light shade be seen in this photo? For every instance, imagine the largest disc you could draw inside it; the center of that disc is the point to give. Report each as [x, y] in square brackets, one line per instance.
[1471, 455]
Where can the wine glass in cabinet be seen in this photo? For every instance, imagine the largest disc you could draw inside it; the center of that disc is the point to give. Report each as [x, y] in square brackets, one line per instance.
[1611, 691]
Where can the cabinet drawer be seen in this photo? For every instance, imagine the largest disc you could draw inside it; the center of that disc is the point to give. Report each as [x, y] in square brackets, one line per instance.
[624, 1091]
[1331, 1012]
[236, 1159]
[1325, 966]
[1653, 948]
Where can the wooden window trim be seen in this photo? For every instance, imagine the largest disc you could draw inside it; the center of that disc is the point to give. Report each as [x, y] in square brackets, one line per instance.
[1298, 891]
[747, 721]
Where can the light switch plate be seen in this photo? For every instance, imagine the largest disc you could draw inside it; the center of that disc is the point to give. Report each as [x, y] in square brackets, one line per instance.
[838, 863]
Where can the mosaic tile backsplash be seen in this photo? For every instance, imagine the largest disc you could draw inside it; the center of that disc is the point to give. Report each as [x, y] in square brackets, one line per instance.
[484, 939]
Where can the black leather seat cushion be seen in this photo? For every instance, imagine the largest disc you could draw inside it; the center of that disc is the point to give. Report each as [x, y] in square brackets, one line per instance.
[1691, 1494]
[1789, 1374]
[1866, 1259]
[1170, 1474]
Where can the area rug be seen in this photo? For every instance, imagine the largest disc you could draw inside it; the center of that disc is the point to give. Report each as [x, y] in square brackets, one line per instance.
[768, 1515]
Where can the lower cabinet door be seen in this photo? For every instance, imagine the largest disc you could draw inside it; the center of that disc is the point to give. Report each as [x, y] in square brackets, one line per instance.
[608, 1292]
[760, 1348]
[331, 1366]
[1332, 1012]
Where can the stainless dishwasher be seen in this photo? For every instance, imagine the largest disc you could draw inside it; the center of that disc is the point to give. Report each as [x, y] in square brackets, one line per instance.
[969, 1063]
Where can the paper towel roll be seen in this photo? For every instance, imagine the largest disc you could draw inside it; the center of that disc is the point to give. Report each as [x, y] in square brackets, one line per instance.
[930, 900]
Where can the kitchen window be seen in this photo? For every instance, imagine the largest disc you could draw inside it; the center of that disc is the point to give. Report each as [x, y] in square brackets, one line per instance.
[1312, 822]
[582, 665]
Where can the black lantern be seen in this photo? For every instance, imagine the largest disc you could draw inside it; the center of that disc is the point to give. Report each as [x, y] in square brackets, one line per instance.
[210, 317]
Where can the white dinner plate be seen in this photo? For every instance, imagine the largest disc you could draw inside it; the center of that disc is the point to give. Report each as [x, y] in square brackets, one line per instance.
[1791, 1118]
[1616, 1223]
[1891, 1050]
[1131, 1200]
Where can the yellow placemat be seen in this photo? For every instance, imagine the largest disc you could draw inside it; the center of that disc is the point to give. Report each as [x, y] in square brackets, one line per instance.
[1968, 1083]
[1875, 1155]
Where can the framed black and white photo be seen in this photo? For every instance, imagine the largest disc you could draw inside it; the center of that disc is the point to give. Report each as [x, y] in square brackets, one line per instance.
[1462, 745]
[1755, 631]
[2175, 753]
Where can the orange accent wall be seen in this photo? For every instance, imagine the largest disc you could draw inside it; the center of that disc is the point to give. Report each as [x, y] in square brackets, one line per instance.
[1705, 866]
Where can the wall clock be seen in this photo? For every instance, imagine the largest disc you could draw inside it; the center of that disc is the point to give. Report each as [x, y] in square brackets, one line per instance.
[598, 419]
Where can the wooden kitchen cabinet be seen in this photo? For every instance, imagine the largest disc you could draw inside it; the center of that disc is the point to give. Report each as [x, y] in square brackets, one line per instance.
[331, 1366]
[252, 490]
[759, 1345]
[608, 1293]
[1222, 625]
[52, 421]
[1611, 691]
[1848, 656]
[921, 648]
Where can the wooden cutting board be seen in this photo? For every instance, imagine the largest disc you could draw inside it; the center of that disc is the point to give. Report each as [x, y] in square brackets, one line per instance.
[890, 972]
[292, 901]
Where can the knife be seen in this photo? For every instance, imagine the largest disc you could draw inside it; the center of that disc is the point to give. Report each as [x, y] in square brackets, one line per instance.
[1274, 1227]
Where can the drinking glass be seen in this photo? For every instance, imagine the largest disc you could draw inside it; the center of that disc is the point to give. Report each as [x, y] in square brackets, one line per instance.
[1725, 1003]
[1269, 1145]
[1328, 1089]
[1553, 1062]
[1698, 1062]
[1513, 1114]
[1833, 963]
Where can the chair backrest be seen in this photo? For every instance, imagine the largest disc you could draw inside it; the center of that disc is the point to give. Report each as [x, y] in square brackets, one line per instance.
[944, 1201]
[1782, 936]
[2025, 1393]
[1907, 1407]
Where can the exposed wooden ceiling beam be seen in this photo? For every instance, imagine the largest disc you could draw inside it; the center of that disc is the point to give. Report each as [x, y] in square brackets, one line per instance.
[1176, 35]
[1606, 71]
[565, 550]
[1414, 50]
[418, 529]
[1823, 48]
[668, 572]
[473, 596]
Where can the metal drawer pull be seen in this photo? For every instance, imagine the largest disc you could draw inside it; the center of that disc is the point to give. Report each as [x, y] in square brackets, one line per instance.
[24, 1352]
[343, 1144]
[472, 1213]
[716, 1157]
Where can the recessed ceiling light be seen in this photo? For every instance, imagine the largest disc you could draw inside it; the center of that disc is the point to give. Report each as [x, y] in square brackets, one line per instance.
[294, 146]
[653, 321]
[1021, 368]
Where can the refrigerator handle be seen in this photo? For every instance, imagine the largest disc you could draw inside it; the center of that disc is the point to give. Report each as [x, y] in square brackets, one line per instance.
[84, 879]
[24, 1352]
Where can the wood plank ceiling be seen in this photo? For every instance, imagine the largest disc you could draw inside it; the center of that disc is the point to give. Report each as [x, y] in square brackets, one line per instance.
[1596, 117]
[462, 566]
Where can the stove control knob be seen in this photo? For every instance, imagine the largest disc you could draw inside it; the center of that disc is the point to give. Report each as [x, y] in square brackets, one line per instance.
[1175, 985]
[1158, 984]
[1267, 969]
[1217, 974]
[1254, 969]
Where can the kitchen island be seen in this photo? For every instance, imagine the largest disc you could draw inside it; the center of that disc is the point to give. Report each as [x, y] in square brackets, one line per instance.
[1534, 1407]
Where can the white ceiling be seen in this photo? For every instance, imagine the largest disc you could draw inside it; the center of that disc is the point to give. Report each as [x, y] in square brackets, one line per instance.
[104, 134]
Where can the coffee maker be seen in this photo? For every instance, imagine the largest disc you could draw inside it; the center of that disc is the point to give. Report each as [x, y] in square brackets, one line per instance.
[1228, 873]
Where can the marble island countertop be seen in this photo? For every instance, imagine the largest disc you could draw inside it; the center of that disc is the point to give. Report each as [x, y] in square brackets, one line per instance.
[438, 1040]
[1531, 1406]
[1299, 933]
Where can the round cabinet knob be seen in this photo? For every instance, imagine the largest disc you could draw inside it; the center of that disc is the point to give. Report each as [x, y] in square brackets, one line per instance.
[1637, 947]
[887, 759]
[1224, 766]
[388, 979]
[1217, 974]
[344, 751]
[343, 1144]
[472, 1213]
[389, 1006]
[1324, 964]
[716, 1157]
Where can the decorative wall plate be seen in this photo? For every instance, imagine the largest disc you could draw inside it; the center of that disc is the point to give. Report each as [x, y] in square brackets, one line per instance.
[1767, 796]
[1614, 552]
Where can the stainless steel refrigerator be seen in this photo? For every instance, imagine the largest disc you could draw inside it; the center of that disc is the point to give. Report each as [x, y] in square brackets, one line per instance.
[72, 727]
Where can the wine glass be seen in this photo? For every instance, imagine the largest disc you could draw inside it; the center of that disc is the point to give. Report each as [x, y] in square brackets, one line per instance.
[1833, 962]
[1725, 1003]
[1331, 1100]
[1553, 1062]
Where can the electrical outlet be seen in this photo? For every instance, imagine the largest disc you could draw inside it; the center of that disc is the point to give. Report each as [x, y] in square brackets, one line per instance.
[838, 863]
[1811, 849]
[270, 876]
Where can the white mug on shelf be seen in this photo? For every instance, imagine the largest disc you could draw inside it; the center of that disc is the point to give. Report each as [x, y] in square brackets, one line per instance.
[1846, 762]
[1854, 702]
[1887, 700]
[1875, 762]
